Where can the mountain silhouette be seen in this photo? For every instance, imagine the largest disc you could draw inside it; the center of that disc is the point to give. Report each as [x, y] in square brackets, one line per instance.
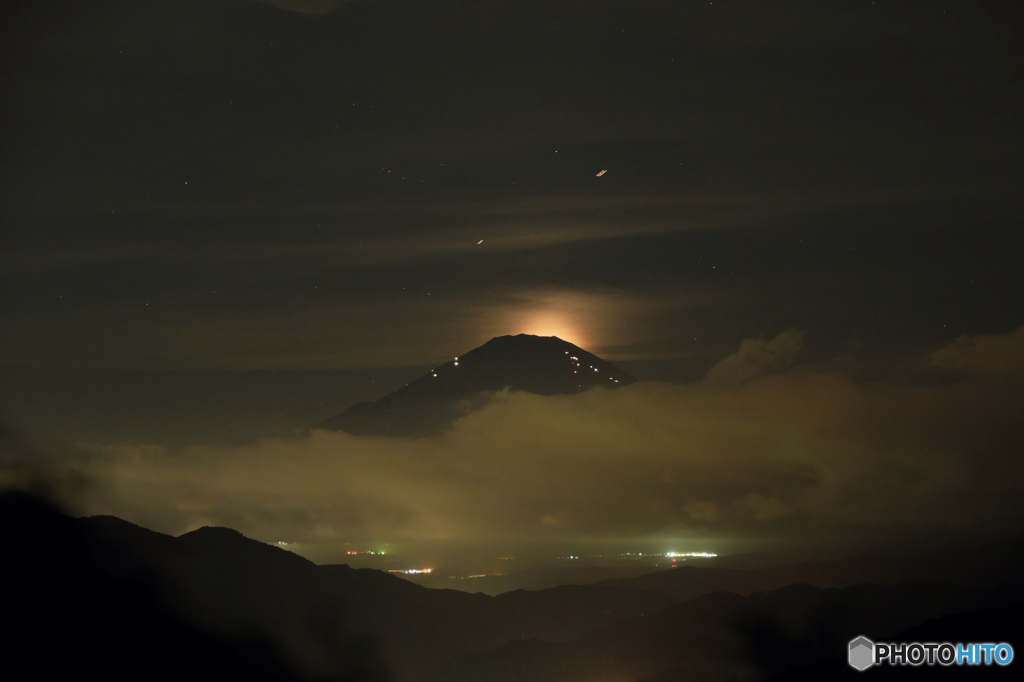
[100, 594]
[545, 365]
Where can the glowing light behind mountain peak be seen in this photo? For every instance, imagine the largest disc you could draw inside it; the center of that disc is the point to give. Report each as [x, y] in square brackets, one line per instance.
[554, 323]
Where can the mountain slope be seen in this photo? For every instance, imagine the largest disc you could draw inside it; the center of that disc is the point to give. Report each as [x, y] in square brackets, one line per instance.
[545, 365]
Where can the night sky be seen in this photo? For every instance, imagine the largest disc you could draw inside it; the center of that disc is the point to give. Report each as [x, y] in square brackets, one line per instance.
[227, 220]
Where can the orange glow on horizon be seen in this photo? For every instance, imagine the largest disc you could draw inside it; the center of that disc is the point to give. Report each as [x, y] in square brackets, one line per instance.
[584, 319]
[554, 323]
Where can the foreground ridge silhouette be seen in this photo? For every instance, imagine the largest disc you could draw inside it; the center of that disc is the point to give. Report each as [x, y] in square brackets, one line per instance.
[544, 365]
[90, 597]
[102, 595]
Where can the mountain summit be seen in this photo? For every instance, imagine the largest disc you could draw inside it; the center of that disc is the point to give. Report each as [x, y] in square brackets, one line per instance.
[545, 365]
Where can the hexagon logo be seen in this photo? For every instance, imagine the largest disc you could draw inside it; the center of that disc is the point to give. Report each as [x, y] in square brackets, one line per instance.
[861, 653]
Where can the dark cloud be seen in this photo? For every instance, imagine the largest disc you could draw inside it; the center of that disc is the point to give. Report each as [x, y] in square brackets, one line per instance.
[850, 170]
[311, 7]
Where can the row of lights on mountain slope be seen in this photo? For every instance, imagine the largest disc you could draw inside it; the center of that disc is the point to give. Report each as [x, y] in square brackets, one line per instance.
[576, 360]
[571, 357]
[456, 364]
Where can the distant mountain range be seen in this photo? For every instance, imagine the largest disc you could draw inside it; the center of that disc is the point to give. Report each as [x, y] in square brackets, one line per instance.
[102, 595]
[545, 365]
